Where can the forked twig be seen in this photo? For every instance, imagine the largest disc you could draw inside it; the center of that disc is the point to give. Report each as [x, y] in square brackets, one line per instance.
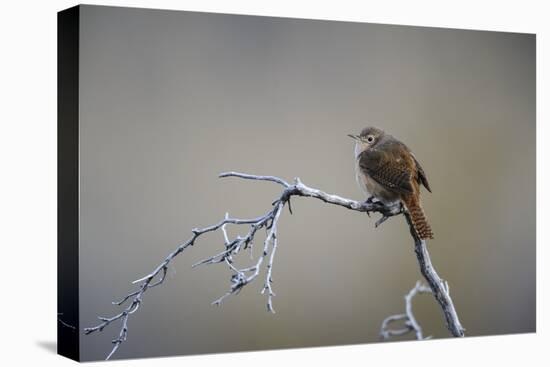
[243, 276]
[409, 321]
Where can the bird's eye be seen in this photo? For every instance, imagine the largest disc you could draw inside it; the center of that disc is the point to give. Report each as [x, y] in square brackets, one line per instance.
[370, 139]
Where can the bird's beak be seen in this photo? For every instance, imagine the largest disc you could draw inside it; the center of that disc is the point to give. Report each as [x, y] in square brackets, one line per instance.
[354, 137]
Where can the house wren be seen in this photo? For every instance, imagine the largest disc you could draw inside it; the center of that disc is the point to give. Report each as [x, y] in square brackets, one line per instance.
[387, 170]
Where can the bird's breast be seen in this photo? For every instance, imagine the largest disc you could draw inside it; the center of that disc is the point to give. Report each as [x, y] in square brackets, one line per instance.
[361, 179]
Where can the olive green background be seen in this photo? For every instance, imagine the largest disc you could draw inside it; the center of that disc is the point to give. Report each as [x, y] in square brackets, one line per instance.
[170, 99]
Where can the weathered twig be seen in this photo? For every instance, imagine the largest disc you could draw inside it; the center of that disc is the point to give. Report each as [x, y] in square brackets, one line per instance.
[63, 323]
[409, 321]
[269, 221]
[440, 288]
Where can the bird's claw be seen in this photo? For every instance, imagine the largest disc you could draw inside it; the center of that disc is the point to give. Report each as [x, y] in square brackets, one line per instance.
[370, 200]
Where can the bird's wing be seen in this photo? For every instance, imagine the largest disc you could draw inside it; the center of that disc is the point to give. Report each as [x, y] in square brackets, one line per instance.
[388, 170]
[421, 175]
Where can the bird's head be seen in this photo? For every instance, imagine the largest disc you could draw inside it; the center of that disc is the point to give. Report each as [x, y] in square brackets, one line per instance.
[367, 139]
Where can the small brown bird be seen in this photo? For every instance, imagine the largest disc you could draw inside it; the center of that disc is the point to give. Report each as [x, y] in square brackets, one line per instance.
[387, 170]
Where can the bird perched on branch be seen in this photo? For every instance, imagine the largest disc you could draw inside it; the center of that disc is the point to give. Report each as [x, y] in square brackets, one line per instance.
[387, 170]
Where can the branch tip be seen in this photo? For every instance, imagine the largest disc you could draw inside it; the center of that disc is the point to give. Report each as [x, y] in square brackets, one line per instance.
[241, 277]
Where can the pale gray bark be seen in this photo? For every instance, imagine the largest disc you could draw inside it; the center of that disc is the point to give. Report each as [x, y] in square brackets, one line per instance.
[409, 321]
[243, 276]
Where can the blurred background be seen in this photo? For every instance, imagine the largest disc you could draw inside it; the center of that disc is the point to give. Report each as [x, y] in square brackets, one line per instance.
[171, 99]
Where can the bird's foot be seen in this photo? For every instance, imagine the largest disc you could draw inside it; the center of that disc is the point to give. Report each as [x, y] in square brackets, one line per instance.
[370, 200]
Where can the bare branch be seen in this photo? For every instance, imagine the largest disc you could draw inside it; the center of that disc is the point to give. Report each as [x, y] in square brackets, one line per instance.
[244, 276]
[438, 286]
[255, 177]
[63, 323]
[409, 321]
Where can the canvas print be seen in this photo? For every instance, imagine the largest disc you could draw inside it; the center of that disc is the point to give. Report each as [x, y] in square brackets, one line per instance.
[237, 183]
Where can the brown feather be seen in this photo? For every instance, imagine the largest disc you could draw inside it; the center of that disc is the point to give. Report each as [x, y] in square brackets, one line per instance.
[385, 170]
[418, 218]
[390, 171]
[421, 175]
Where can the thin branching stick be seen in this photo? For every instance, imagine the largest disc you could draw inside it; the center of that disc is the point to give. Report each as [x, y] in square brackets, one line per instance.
[63, 323]
[269, 221]
[439, 287]
[409, 321]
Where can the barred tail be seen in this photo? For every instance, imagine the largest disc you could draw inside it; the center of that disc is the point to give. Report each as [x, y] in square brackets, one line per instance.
[418, 218]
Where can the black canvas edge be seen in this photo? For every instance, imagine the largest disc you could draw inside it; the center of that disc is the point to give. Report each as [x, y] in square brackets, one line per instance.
[68, 34]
